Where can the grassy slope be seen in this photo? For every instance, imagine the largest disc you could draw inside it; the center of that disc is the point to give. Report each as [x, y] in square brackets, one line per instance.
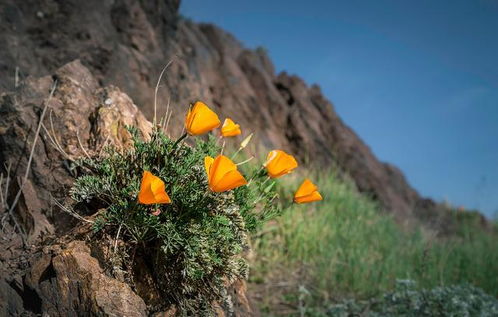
[345, 247]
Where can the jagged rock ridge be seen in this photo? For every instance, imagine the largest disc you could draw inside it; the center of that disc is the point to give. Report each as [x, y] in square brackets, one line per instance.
[126, 43]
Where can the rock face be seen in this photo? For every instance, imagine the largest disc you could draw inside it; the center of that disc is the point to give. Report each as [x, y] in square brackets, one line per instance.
[81, 117]
[71, 282]
[126, 43]
[60, 269]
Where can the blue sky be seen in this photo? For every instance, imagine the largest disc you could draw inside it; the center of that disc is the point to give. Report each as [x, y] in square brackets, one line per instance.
[417, 80]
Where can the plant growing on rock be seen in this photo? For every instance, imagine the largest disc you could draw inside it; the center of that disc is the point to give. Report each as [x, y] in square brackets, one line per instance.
[185, 211]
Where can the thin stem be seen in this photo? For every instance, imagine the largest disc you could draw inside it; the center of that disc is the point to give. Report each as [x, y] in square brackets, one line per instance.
[267, 179]
[53, 132]
[243, 162]
[54, 143]
[222, 147]
[255, 174]
[81, 144]
[117, 237]
[157, 88]
[167, 123]
[7, 183]
[16, 82]
[167, 117]
[235, 154]
[69, 211]
[1, 193]
[178, 141]
[262, 195]
[173, 149]
[183, 129]
[102, 147]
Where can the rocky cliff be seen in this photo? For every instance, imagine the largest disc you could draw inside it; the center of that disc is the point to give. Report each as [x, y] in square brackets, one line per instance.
[127, 43]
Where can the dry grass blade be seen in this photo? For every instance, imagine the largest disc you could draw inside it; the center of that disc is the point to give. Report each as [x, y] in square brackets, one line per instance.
[81, 144]
[116, 239]
[28, 167]
[168, 117]
[2, 201]
[53, 132]
[102, 148]
[157, 88]
[162, 122]
[4, 191]
[7, 181]
[16, 81]
[69, 211]
[54, 142]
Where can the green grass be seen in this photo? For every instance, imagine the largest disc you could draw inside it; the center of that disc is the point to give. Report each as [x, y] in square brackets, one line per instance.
[345, 247]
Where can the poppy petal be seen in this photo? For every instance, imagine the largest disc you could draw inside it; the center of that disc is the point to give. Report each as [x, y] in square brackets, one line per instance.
[307, 192]
[152, 190]
[279, 163]
[221, 166]
[201, 119]
[230, 180]
[306, 188]
[315, 196]
[230, 128]
[222, 174]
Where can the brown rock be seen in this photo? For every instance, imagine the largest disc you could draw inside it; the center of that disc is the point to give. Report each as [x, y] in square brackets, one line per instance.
[71, 282]
[11, 304]
[78, 118]
[81, 117]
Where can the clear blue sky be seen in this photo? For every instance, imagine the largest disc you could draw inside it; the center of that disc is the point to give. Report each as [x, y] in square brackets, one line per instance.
[417, 80]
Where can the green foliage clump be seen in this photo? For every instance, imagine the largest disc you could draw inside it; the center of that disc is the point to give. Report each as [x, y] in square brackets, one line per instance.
[194, 246]
[407, 300]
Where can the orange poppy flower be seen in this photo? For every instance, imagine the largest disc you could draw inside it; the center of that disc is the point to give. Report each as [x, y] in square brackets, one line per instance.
[279, 163]
[200, 119]
[229, 128]
[152, 190]
[307, 193]
[222, 174]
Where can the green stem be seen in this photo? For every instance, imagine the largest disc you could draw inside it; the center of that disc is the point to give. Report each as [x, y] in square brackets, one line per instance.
[177, 142]
[244, 162]
[262, 195]
[255, 174]
[235, 154]
[267, 179]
